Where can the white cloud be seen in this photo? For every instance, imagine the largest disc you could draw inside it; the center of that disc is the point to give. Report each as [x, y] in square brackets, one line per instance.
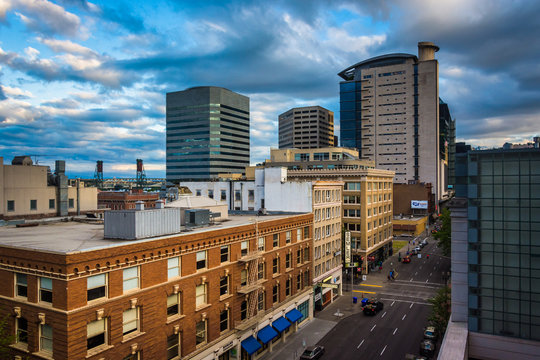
[45, 16]
[67, 46]
[16, 92]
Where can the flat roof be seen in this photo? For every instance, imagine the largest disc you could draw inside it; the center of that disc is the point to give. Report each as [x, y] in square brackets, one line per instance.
[74, 237]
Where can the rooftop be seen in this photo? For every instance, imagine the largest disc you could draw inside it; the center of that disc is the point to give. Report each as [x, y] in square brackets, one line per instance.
[74, 237]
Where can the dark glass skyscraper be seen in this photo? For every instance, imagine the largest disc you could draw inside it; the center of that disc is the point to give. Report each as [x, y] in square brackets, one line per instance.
[207, 133]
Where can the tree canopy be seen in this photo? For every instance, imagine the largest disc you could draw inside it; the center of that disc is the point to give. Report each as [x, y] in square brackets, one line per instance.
[444, 235]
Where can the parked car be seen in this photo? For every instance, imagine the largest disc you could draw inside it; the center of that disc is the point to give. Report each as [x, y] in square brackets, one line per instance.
[430, 333]
[406, 259]
[427, 348]
[424, 242]
[312, 352]
[417, 249]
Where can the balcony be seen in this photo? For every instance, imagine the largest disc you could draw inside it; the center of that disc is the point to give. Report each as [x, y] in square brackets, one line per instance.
[250, 256]
[249, 288]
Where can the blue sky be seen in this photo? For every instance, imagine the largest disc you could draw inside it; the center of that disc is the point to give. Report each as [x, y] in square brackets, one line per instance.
[86, 81]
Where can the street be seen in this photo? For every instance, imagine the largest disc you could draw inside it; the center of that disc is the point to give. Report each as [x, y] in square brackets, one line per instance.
[398, 328]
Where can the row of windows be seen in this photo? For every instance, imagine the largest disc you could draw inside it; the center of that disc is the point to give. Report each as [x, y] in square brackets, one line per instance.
[322, 196]
[331, 213]
[34, 204]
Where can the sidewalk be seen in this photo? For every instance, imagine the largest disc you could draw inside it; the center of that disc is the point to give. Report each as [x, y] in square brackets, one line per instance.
[324, 321]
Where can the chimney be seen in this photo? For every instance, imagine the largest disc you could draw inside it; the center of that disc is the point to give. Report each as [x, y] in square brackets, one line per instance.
[160, 204]
[427, 50]
[139, 205]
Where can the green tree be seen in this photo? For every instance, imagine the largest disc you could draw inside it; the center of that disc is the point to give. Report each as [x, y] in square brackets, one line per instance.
[440, 312]
[444, 235]
[6, 338]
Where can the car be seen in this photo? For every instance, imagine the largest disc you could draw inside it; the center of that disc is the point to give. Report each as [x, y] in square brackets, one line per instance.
[427, 348]
[372, 307]
[424, 242]
[312, 352]
[417, 249]
[406, 259]
[430, 333]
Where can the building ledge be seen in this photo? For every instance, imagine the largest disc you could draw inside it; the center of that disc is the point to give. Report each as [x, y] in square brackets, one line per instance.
[98, 350]
[454, 344]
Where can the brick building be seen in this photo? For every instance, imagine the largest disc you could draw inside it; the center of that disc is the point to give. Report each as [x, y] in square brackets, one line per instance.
[220, 292]
[123, 200]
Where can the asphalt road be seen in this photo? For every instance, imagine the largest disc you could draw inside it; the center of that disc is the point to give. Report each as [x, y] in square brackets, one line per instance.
[398, 328]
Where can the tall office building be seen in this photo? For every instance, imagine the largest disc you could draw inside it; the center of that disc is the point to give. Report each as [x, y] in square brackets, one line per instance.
[207, 133]
[306, 128]
[389, 108]
[495, 256]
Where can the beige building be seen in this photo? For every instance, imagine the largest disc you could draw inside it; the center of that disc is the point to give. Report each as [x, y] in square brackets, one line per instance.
[306, 128]
[321, 158]
[327, 264]
[32, 191]
[390, 112]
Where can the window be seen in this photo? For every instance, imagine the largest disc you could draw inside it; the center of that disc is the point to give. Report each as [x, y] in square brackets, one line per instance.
[22, 331]
[237, 195]
[224, 320]
[298, 282]
[223, 285]
[260, 271]
[223, 195]
[198, 192]
[210, 194]
[21, 287]
[288, 261]
[173, 346]
[173, 304]
[11, 205]
[51, 204]
[244, 248]
[96, 334]
[173, 267]
[134, 356]
[306, 278]
[306, 254]
[131, 321]
[243, 277]
[304, 309]
[71, 203]
[33, 204]
[45, 338]
[260, 301]
[298, 234]
[298, 256]
[288, 237]
[96, 287]
[306, 232]
[275, 294]
[275, 242]
[45, 290]
[131, 278]
[201, 259]
[261, 244]
[200, 333]
[224, 253]
[275, 266]
[251, 195]
[288, 287]
[243, 310]
[200, 295]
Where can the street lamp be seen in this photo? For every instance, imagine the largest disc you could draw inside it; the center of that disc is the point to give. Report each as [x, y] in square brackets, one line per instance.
[446, 276]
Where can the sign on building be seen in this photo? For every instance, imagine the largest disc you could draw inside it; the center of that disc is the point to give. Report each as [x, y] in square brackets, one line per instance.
[419, 204]
[347, 248]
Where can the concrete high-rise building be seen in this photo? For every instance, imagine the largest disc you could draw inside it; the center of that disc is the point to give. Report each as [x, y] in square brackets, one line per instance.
[495, 256]
[390, 113]
[306, 128]
[207, 133]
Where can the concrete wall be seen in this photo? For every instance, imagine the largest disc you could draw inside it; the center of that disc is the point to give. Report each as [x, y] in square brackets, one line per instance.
[459, 266]
[217, 186]
[289, 196]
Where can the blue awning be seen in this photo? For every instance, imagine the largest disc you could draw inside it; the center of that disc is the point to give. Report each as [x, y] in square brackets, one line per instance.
[266, 334]
[251, 345]
[294, 315]
[281, 324]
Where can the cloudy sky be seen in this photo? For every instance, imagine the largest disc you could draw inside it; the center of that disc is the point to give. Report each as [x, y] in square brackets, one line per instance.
[86, 81]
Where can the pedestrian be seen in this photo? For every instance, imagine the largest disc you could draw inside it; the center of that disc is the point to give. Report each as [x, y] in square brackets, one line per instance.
[428, 256]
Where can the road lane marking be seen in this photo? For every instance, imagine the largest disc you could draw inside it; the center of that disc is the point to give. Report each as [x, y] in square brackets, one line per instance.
[370, 285]
[404, 316]
[416, 273]
[411, 305]
[394, 333]
[407, 301]
[383, 349]
[383, 315]
[430, 274]
[373, 327]
[392, 304]
[358, 347]
[411, 279]
[420, 267]
[427, 280]
[365, 292]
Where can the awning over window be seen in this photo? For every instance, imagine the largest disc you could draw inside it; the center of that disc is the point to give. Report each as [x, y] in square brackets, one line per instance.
[266, 334]
[281, 324]
[294, 315]
[251, 345]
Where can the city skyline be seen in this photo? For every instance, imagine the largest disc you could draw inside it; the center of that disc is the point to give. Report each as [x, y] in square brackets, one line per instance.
[84, 81]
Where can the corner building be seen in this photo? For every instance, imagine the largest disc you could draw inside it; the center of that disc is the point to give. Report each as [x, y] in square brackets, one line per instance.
[306, 128]
[389, 111]
[227, 293]
[207, 133]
